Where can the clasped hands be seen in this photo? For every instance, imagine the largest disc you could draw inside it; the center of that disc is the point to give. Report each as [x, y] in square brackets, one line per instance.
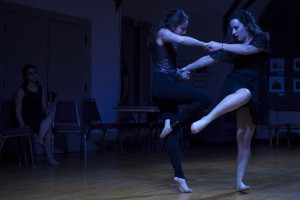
[213, 46]
[183, 74]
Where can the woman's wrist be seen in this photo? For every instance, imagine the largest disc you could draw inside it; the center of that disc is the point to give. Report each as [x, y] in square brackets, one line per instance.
[183, 69]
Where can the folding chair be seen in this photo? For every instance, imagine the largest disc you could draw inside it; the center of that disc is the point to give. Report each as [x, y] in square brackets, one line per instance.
[92, 121]
[8, 128]
[66, 121]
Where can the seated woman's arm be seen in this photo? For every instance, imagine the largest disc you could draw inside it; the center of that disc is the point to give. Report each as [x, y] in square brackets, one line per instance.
[18, 104]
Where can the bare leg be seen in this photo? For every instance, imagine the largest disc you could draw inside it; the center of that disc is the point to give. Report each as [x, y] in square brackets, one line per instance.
[182, 186]
[245, 130]
[228, 104]
[46, 124]
[48, 149]
[45, 137]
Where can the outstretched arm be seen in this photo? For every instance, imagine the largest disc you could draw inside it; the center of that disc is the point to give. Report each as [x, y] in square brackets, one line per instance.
[200, 63]
[243, 49]
[165, 35]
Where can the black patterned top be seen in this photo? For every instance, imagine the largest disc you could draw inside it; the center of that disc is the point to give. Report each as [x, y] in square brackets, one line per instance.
[164, 58]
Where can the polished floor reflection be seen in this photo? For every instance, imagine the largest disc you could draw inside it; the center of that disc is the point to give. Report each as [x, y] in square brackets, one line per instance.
[274, 173]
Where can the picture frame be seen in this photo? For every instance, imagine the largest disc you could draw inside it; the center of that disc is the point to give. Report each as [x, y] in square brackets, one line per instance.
[276, 65]
[296, 64]
[205, 71]
[276, 84]
[296, 85]
[200, 83]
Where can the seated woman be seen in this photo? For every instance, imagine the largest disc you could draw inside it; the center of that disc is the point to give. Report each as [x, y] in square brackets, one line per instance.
[31, 110]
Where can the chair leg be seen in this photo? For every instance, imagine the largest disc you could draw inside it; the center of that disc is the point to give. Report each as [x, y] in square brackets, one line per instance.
[82, 138]
[103, 141]
[31, 151]
[52, 145]
[84, 147]
[120, 140]
[270, 137]
[2, 143]
[277, 135]
[288, 127]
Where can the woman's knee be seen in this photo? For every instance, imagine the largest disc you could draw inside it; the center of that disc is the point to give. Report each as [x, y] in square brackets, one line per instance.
[245, 93]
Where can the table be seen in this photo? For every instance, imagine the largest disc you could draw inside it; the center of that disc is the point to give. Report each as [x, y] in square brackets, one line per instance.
[138, 125]
[138, 110]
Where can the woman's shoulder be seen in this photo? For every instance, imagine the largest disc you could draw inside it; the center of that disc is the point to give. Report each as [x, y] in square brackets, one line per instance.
[20, 89]
[261, 40]
[261, 36]
[163, 32]
[20, 92]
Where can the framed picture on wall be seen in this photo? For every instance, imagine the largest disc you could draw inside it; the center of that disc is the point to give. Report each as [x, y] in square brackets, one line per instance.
[296, 64]
[276, 84]
[202, 72]
[296, 85]
[276, 65]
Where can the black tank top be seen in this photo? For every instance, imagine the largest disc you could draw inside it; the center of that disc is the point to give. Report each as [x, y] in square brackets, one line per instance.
[32, 103]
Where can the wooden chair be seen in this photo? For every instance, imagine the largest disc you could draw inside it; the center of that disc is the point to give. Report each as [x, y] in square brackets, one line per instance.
[9, 128]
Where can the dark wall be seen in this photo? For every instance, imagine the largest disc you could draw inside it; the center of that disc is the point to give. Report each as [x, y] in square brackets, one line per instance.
[281, 19]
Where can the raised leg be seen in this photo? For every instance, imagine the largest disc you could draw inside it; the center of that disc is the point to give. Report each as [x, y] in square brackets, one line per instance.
[228, 104]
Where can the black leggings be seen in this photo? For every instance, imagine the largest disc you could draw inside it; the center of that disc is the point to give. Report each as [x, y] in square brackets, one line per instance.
[167, 95]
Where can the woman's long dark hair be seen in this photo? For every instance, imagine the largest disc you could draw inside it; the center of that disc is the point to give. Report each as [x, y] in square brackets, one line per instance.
[248, 20]
[173, 18]
[25, 71]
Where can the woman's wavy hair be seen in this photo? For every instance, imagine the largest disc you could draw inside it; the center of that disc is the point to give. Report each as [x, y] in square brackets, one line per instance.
[25, 71]
[173, 18]
[248, 20]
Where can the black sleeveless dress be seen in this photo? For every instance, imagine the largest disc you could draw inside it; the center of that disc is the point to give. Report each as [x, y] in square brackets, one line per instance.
[32, 109]
[249, 71]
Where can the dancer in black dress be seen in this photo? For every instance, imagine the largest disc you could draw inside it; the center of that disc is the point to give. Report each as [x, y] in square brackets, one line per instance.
[167, 93]
[31, 110]
[245, 88]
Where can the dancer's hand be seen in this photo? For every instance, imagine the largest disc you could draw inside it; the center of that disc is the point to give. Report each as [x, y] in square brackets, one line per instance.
[213, 46]
[184, 75]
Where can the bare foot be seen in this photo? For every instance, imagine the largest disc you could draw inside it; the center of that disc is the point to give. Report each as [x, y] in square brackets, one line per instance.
[199, 125]
[167, 129]
[242, 188]
[52, 162]
[181, 185]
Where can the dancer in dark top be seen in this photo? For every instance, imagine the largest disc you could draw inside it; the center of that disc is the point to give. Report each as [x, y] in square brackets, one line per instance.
[245, 88]
[31, 110]
[167, 93]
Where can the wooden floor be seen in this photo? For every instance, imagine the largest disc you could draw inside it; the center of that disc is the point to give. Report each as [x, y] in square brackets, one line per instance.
[274, 173]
